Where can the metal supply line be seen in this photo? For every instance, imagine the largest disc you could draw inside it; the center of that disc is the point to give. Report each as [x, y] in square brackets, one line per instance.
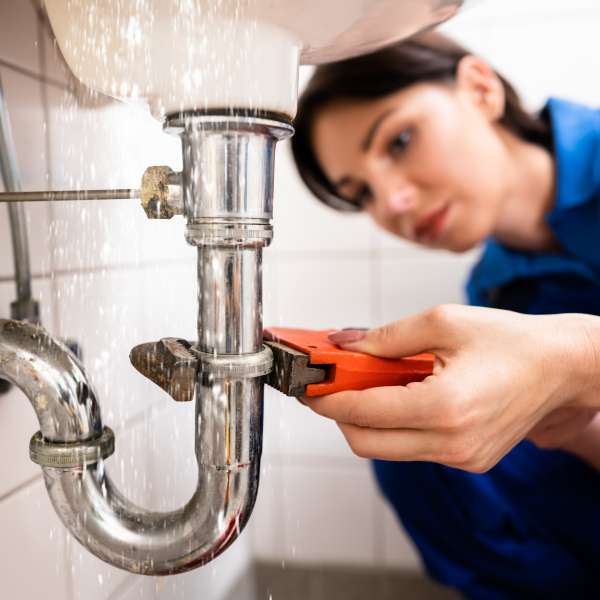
[25, 306]
[70, 195]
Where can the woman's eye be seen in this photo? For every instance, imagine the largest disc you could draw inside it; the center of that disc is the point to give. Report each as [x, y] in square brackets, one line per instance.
[400, 143]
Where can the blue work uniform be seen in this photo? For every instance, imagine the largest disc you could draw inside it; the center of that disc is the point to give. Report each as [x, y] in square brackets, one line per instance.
[530, 527]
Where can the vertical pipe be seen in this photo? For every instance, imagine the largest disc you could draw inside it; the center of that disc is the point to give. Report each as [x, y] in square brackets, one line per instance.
[24, 307]
[227, 179]
[229, 300]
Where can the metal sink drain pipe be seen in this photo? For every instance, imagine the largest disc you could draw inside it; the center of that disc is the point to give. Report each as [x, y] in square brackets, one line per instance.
[227, 184]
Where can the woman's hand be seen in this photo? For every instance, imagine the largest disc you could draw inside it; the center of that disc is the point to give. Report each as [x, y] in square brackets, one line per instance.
[561, 427]
[571, 428]
[497, 375]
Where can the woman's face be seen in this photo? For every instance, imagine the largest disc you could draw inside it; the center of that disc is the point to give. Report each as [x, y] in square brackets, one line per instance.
[427, 162]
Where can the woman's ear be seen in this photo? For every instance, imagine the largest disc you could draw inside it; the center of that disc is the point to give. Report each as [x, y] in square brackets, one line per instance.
[482, 86]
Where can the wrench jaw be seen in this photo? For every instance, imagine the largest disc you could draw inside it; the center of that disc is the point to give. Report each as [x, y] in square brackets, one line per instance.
[292, 371]
[170, 364]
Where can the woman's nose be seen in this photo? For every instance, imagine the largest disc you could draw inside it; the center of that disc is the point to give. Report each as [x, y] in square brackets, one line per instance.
[394, 193]
[394, 202]
[399, 201]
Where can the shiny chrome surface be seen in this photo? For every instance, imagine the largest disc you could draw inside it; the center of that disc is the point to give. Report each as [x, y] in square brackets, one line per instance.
[229, 300]
[228, 165]
[228, 448]
[25, 307]
[231, 216]
[228, 202]
[53, 380]
[228, 413]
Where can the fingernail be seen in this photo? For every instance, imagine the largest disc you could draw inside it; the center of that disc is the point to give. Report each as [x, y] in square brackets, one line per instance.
[347, 336]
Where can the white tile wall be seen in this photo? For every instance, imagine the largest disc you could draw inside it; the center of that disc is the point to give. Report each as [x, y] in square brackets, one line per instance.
[32, 547]
[139, 589]
[19, 40]
[266, 526]
[107, 146]
[329, 515]
[304, 224]
[304, 436]
[111, 279]
[104, 311]
[408, 286]
[397, 550]
[322, 290]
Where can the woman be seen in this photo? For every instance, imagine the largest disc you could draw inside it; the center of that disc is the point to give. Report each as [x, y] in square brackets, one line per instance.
[437, 148]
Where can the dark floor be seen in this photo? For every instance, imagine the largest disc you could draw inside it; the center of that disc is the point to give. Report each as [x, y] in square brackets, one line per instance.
[274, 582]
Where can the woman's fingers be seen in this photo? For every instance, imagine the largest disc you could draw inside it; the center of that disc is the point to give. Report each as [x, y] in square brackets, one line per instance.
[426, 332]
[396, 444]
[429, 404]
[411, 445]
[381, 408]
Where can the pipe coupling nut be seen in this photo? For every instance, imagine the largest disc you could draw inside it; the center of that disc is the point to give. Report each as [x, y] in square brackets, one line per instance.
[74, 455]
[224, 232]
[236, 366]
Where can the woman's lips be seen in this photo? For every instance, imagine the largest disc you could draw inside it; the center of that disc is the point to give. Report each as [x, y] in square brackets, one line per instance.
[429, 228]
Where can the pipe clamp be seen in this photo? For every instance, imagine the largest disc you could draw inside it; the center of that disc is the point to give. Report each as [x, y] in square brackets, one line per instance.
[60, 455]
[215, 232]
[236, 366]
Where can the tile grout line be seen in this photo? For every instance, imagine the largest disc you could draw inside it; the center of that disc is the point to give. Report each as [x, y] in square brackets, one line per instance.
[102, 269]
[33, 75]
[20, 487]
[122, 588]
[370, 254]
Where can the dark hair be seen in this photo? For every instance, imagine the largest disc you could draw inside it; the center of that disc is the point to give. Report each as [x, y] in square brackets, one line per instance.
[427, 57]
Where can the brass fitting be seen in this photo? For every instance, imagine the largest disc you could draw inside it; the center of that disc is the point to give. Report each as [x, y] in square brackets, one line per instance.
[160, 194]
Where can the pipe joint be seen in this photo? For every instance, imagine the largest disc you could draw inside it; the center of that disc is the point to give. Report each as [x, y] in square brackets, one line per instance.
[76, 455]
[160, 193]
[243, 366]
[25, 309]
[247, 233]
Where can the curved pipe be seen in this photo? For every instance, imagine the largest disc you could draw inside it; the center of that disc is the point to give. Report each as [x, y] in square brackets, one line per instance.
[53, 380]
[228, 448]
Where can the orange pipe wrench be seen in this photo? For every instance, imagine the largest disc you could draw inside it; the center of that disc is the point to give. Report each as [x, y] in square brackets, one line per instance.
[306, 363]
